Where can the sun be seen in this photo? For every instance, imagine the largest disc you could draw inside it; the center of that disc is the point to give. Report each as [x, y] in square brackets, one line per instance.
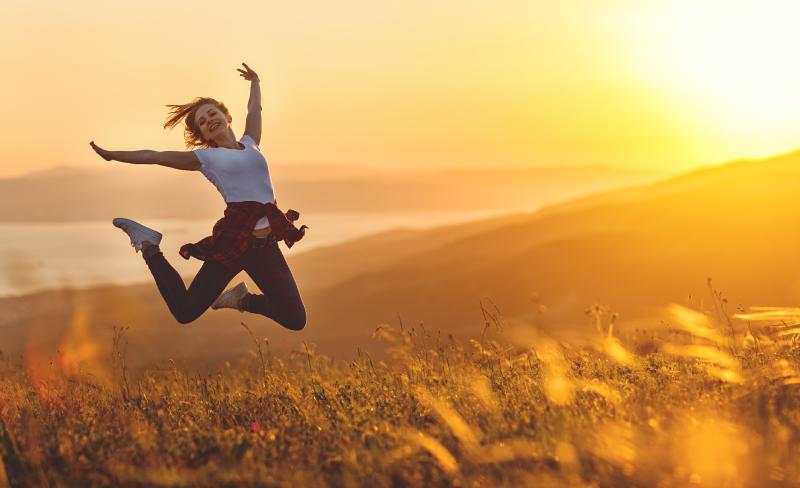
[733, 60]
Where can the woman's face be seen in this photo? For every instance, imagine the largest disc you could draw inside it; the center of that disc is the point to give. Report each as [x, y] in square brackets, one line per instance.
[211, 121]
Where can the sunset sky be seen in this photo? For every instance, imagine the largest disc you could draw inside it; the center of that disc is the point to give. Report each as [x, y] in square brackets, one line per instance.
[657, 85]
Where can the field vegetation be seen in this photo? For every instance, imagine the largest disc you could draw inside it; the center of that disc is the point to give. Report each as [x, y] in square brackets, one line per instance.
[710, 398]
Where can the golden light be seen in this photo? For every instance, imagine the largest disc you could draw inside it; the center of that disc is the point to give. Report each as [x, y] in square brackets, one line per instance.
[80, 352]
[729, 62]
[712, 452]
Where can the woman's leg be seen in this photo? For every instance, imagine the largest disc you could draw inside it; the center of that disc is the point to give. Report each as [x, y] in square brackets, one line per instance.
[281, 299]
[187, 305]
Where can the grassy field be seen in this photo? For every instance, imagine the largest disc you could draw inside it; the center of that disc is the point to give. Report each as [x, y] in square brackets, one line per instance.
[706, 400]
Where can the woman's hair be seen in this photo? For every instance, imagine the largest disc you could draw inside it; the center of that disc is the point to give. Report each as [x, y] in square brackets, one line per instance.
[191, 133]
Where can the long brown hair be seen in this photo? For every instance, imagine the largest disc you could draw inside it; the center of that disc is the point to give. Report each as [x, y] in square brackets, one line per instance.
[191, 133]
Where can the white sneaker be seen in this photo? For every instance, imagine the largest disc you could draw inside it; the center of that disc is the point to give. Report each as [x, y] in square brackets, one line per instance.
[231, 298]
[137, 232]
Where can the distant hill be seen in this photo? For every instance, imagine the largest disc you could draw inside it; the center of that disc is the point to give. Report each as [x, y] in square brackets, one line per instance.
[634, 250]
[71, 193]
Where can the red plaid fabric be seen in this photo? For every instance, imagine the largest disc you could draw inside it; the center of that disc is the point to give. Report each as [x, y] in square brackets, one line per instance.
[233, 233]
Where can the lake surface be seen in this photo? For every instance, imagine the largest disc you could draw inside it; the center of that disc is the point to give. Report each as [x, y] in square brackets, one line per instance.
[36, 256]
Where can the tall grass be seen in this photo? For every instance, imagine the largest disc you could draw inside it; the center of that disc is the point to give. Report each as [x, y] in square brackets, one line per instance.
[707, 400]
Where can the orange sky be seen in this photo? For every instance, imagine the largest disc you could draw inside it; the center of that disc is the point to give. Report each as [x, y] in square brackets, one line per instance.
[657, 85]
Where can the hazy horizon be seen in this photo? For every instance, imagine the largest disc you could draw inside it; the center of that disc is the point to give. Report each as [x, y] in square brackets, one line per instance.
[364, 169]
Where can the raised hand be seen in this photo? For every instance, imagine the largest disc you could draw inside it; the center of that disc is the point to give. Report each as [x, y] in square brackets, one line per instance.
[248, 75]
[102, 152]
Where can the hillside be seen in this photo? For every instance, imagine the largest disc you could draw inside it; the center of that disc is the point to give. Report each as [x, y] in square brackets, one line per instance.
[634, 251]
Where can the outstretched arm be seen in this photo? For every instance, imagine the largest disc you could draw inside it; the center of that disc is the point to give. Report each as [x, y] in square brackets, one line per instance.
[185, 160]
[252, 126]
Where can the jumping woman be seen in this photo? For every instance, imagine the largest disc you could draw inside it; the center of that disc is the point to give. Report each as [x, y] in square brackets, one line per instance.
[245, 238]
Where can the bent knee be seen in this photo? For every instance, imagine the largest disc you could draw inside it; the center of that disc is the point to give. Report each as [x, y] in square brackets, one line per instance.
[185, 318]
[297, 322]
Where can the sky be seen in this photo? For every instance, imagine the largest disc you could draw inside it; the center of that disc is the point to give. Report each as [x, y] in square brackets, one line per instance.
[667, 85]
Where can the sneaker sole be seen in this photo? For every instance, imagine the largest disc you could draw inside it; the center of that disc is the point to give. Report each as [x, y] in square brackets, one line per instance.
[242, 285]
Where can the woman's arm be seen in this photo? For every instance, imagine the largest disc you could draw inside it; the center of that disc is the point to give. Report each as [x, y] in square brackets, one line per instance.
[185, 160]
[252, 125]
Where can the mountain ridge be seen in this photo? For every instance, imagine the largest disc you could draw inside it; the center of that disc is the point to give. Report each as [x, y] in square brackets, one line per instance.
[70, 194]
[635, 254]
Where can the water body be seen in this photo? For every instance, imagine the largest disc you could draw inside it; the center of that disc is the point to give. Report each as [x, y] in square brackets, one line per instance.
[36, 256]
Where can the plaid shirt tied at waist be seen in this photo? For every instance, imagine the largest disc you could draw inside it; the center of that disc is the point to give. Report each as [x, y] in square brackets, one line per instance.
[233, 233]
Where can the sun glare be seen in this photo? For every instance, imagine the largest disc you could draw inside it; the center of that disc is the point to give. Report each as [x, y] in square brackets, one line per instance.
[732, 61]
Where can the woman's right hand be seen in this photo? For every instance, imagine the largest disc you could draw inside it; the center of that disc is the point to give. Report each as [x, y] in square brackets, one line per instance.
[248, 75]
[102, 152]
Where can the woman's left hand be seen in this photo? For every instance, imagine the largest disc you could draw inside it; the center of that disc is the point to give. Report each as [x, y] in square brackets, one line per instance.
[248, 75]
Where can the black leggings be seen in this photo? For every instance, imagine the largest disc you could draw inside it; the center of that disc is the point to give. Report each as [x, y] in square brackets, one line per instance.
[265, 265]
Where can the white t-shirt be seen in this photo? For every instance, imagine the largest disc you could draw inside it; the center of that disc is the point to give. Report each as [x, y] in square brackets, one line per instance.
[240, 175]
